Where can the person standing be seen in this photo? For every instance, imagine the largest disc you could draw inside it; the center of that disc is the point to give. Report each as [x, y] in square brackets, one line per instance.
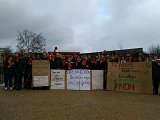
[19, 70]
[28, 74]
[8, 72]
[156, 75]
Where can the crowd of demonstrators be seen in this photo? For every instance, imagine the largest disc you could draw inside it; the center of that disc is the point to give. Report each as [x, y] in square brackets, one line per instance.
[19, 65]
[14, 67]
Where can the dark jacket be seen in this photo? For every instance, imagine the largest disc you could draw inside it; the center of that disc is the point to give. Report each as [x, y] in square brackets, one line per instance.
[5, 66]
[19, 66]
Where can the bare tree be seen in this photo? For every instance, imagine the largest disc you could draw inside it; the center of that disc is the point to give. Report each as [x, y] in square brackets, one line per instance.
[154, 49]
[30, 42]
[38, 43]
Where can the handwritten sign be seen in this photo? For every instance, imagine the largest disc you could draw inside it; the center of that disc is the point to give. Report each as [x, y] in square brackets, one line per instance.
[78, 79]
[57, 79]
[130, 77]
[40, 73]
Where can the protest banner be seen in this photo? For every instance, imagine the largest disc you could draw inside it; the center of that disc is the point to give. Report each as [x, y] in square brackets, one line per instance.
[78, 79]
[57, 79]
[97, 79]
[131, 77]
[40, 73]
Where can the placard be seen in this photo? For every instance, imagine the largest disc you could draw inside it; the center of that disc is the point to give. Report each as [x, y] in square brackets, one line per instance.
[40, 73]
[78, 79]
[57, 79]
[97, 79]
[131, 77]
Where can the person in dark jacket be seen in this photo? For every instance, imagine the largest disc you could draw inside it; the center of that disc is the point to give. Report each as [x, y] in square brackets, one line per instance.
[57, 62]
[19, 70]
[103, 63]
[156, 75]
[28, 74]
[5, 72]
[8, 72]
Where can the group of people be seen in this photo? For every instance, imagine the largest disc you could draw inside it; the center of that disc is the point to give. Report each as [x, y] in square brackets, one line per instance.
[19, 66]
[15, 67]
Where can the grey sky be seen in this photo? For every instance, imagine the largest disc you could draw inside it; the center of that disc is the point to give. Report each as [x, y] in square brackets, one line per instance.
[83, 25]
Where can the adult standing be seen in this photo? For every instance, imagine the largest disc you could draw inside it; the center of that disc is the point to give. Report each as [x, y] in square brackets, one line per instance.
[19, 70]
[156, 75]
[8, 72]
[28, 74]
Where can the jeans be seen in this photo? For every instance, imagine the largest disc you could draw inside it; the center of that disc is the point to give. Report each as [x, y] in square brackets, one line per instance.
[8, 80]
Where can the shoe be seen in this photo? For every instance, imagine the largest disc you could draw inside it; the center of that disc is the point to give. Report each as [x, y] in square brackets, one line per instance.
[11, 88]
[5, 88]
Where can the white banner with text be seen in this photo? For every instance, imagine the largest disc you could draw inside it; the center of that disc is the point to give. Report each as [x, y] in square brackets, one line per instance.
[78, 79]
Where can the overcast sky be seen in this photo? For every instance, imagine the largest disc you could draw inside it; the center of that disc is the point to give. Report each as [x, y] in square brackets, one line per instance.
[83, 25]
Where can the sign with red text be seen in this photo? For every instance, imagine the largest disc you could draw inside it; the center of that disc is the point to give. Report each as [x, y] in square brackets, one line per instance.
[57, 79]
[78, 79]
[130, 77]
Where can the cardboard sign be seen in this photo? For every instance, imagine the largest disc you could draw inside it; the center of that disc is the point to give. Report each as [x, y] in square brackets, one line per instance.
[57, 79]
[78, 79]
[131, 77]
[97, 79]
[40, 73]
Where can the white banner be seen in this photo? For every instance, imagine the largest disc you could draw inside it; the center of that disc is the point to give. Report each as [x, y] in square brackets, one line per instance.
[97, 79]
[39, 81]
[57, 79]
[78, 79]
